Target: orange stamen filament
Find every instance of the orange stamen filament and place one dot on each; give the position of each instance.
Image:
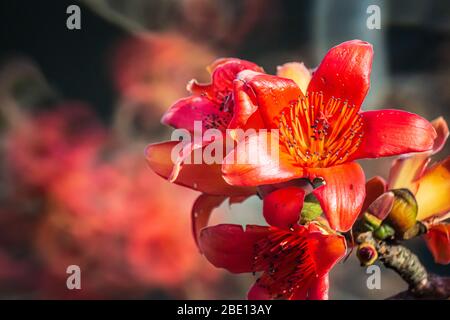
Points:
(318, 133)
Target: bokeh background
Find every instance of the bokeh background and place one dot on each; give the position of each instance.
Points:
(79, 106)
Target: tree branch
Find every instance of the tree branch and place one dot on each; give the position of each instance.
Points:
(400, 259)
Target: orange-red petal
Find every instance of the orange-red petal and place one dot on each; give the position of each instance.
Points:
(271, 94)
(245, 113)
(326, 250)
(344, 72)
(254, 162)
(282, 207)
(441, 127)
(342, 195)
(394, 132)
(231, 247)
(406, 170)
(438, 241)
(319, 288)
(206, 178)
(201, 211)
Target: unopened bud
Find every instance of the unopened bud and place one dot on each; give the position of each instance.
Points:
(367, 254)
(403, 213)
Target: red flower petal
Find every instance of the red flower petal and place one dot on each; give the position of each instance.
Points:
(441, 127)
(245, 110)
(407, 170)
(257, 292)
(309, 254)
(200, 177)
(319, 288)
(342, 196)
(393, 132)
(224, 71)
(221, 62)
(229, 246)
(282, 207)
(375, 187)
(270, 93)
(251, 163)
(326, 250)
(344, 72)
(438, 241)
(186, 111)
(201, 211)
(185, 154)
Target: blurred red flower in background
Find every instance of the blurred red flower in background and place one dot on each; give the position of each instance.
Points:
(45, 146)
(99, 207)
(120, 224)
(153, 69)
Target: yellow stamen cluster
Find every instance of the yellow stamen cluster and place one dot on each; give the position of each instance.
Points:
(319, 133)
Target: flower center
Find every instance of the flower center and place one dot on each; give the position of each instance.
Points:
(286, 262)
(215, 121)
(318, 133)
(225, 104)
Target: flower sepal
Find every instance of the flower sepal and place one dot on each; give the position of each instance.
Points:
(311, 210)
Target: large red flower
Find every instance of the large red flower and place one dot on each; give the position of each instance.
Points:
(322, 132)
(294, 260)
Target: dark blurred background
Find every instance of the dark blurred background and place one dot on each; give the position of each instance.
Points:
(107, 66)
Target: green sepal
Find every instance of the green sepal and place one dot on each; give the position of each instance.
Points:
(385, 231)
(311, 209)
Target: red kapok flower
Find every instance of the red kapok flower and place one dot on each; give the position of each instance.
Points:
(213, 106)
(294, 259)
(213, 103)
(430, 186)
(322, 132)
